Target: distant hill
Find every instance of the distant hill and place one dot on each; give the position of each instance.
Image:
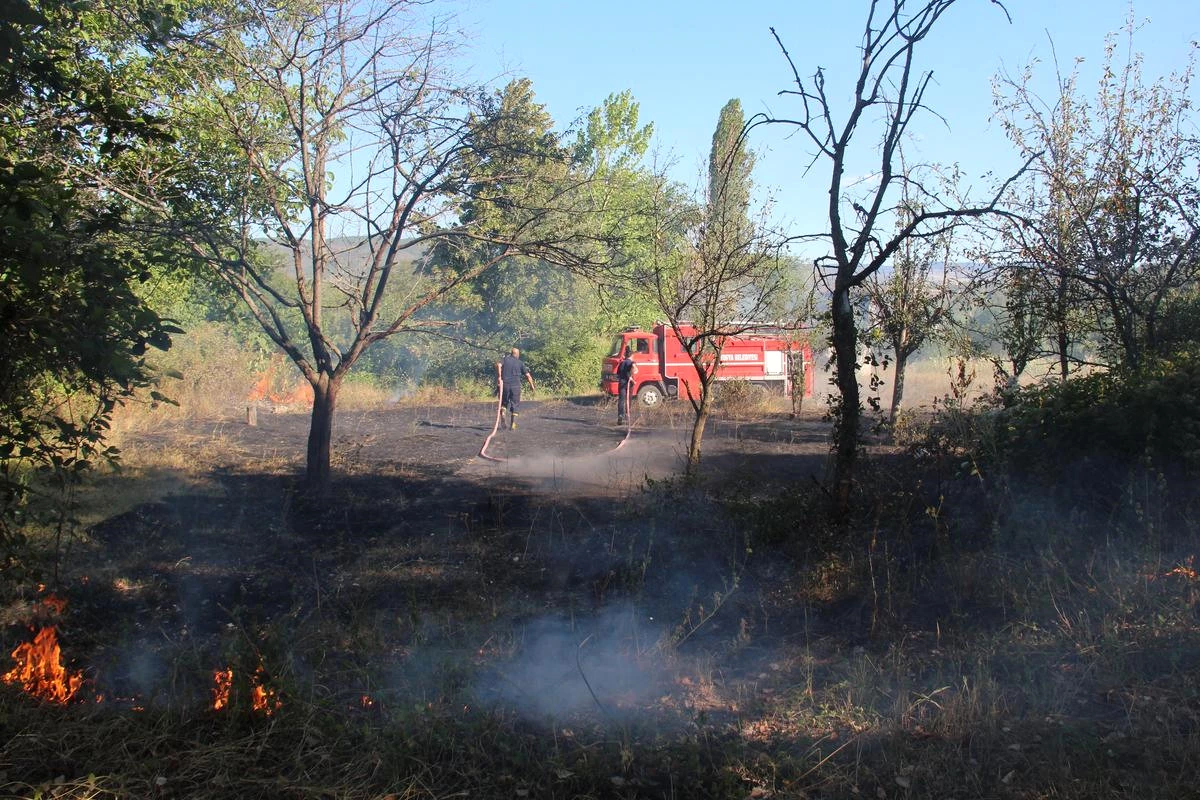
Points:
(352, 254)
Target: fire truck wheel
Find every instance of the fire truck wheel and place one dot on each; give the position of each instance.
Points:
(650, 395)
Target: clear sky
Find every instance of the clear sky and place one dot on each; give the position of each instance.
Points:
(683, 60)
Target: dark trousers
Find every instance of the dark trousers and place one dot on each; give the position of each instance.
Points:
(622, 401)
(510, 397)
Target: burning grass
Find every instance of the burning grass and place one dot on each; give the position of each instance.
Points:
(39, 669)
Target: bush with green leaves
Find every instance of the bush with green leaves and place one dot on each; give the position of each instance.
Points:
(1090, 439)
(1125, 415)
(1179, 325)
(567, 364)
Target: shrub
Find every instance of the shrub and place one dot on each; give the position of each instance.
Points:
(1120, 448)
(739, 399)
(1123, 416)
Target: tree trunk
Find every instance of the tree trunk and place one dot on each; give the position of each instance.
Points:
(845, 350)
(898, 384)
(1018, 369)
(317, 477)
(702, 409)
(799, 381)
(1126, 325)
(1062, 329)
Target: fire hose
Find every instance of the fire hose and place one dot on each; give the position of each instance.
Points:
(483, 453)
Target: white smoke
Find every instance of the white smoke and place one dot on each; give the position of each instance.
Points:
(606, 665)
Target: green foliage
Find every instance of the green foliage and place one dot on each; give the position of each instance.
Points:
(730, 164)
(610, 139)
(1125, 415)
(74, 332)
(560, 317)
(567, 362)
(1120, 446)
(1179, 325)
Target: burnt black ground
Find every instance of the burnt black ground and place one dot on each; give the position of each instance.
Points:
(552, 435)
(421, 542)
(569, 586)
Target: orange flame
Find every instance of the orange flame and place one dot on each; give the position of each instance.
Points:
(222, 683)
(55, 603)
(301, 394)
(265, 389)
(40, 671)
(1185, 570)
(262, 698)
(262, 387)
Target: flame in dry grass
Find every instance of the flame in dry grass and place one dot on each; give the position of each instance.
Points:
(40, 671)
(222, 683)
(56, 604)
(262, 387)
(1185, 570)
(263, 699)
(267, 388)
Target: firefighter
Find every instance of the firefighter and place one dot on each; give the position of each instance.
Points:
(626, 371)
(509, 371)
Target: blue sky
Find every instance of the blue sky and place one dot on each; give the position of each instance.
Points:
(684, 60)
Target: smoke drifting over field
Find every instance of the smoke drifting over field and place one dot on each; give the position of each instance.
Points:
(605, 663)
(616, 471)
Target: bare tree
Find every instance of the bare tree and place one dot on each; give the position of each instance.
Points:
(332, 130)
(888, 82)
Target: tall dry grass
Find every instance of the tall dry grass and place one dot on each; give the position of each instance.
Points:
(208, 374)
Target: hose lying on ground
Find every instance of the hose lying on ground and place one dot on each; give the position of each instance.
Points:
(483, 453)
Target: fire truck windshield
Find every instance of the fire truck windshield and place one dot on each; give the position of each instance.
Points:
(615, 350)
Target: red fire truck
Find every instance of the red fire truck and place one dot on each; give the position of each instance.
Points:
(664, 369)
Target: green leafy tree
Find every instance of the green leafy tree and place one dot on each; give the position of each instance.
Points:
(554, 309)
(1111, 210)
(74, 331)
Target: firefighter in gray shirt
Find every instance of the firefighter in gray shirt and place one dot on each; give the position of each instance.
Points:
(509, 371)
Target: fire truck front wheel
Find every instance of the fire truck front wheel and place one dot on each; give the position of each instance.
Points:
(650, 395)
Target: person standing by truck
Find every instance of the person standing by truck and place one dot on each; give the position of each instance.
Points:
(626, 371)
(509, 371)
